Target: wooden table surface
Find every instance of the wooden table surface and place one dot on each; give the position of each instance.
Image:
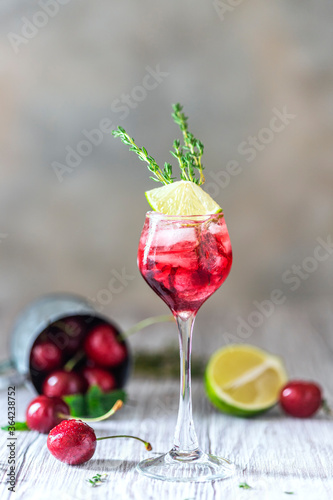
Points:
(273, 453)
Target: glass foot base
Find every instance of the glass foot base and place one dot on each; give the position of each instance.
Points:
(196, 466)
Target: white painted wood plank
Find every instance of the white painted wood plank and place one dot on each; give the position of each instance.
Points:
(273, 453)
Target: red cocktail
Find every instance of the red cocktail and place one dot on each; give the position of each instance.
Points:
(185, 259)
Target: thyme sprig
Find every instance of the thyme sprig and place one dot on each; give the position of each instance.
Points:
(188, 155)
(193, 147)
(164, 175)
(97, 480)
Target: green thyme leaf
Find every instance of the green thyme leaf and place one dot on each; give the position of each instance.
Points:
(97, 480)
(245, 486)
(192, 159)
(143, 155)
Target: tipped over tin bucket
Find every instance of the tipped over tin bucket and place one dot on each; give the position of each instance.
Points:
(34, 320)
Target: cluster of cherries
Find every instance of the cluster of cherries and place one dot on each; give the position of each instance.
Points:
(68, 357)
(71, 355)
(69, 440)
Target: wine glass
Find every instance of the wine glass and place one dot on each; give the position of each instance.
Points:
(185, 259)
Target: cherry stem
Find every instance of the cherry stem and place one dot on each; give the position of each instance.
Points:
(118, 404)
(147, 445)
(74, 361)
(147, 322)
(326, 408)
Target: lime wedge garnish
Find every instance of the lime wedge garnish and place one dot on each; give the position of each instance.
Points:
(244, 380)
(182, 198)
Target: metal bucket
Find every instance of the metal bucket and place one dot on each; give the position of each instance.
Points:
(33, 320)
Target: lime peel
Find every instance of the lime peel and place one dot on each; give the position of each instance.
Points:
(258, 376)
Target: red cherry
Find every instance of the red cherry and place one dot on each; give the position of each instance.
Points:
(60, 383)
(45, 356)
(102, 346)
(72, 442)
(97, 376)
(301, 398)
(43, 413)
(74, 329)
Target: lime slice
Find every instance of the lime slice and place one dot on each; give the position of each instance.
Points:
(243, 380)
(182, 198)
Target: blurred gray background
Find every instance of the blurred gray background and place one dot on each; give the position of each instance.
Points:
(70, 71)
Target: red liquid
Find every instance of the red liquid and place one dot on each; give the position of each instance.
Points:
(184, 260)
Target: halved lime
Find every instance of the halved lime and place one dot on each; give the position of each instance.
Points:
(243, 380)
(182, 198)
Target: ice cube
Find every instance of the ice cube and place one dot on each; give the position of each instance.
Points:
(176, 239)
(187, 260)
(191, 286)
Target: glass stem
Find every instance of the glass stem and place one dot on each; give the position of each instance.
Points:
(185, 440)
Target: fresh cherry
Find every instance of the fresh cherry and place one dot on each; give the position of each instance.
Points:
(61, 382)
(43, 413)
(74, 442)
(74, 329)
(45, 356)
(102, 346)
(97, 376)
(301, 398)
